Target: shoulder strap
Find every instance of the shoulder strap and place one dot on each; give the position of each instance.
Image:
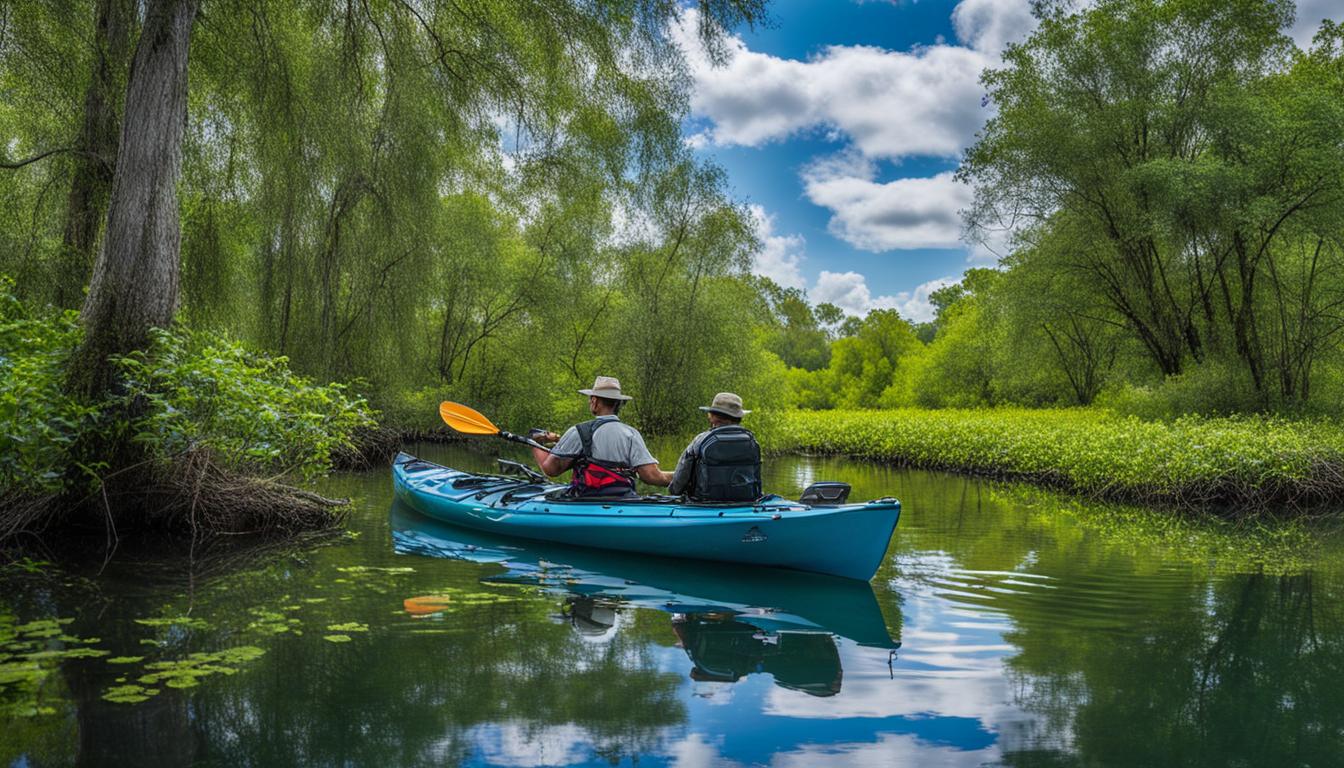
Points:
(586, 430)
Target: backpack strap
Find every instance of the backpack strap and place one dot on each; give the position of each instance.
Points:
(586, 430)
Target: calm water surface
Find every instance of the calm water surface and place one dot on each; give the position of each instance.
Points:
(1004, 629)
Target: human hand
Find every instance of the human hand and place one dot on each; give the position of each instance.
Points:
(543, 436)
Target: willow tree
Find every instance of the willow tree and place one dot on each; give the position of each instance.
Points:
(135, 278)
(380, 84)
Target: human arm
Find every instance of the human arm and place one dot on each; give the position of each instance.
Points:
(550, 464)
(681, 476)
(560, 458)
(651, 474)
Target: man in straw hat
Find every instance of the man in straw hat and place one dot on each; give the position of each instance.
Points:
(722, 463)
(606, 454)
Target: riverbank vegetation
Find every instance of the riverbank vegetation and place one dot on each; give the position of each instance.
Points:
(1231, 462)
(494, 203)
(214, 429)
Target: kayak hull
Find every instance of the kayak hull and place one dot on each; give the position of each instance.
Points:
(849, 540)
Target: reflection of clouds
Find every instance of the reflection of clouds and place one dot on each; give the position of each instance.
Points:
(697, 751)
(519, 743)
(950, 666)
(888, 750)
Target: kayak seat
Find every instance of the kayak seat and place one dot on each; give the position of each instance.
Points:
(825, 494)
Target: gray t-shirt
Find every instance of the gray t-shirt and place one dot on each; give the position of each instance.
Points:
(617, 443)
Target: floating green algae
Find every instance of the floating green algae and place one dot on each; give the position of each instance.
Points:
(129, 694)
(361, 569)
(182, 673)
(29, 655)
(186, 622)
(272, 623)
(336, 638)
(125, 659)
(349, 626)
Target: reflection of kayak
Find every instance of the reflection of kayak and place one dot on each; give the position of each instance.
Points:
(847, 540)
(771, 599)
(727, 651)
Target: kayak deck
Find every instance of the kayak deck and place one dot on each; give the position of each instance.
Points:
(848, 540)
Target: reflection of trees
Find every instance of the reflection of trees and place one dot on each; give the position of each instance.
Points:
(1250, 672)
(1125, 656)
(412, 699)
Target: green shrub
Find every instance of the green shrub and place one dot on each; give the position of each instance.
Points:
(253, 414)
(38, 422)
(189, 390)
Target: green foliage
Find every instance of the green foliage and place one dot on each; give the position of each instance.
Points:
(1192, 460)
(189, 391)
(39, 423)
(201, 391)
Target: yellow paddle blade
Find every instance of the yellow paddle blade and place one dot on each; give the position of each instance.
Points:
(465, 420)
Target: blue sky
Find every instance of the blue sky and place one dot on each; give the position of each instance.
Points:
(840, 123)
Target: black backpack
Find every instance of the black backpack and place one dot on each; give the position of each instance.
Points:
(728, 466)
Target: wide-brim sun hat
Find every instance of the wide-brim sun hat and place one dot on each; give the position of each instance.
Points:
(726, 404)
(606, 387)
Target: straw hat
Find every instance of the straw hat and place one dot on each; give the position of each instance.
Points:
(606, 386)
(728, 404)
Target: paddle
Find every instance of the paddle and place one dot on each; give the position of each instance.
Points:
(471, 422)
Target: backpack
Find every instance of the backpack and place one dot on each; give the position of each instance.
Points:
(591, 477)
(727, 466)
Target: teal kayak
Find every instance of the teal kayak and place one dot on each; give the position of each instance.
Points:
(848, 540)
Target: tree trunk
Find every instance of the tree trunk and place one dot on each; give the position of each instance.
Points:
(97, 142)
(135, 279)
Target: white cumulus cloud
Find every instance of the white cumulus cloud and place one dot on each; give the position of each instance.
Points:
(848, 291)
(905, 213)
(915, 305)
(989, 26)
(888, 103)
(780, 256)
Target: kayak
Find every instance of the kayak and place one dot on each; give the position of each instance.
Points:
(848, 540)
(772, 600)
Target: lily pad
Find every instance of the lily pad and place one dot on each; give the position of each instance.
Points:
(336, 638)
(129, 694)
(349, 626)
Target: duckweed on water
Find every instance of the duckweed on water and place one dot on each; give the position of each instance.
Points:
(336, 638)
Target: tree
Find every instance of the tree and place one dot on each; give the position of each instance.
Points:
(135, 278)
(1178, 138)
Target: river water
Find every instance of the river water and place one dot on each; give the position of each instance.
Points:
(1007, 627)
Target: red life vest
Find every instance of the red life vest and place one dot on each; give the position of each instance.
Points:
(591, 477)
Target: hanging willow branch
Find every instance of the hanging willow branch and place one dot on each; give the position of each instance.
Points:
(57, 151)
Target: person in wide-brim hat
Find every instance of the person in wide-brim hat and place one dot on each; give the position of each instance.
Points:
(726, 404)
(606, 387)
(605, 461)
(706, 473)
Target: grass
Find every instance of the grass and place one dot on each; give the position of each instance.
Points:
(1193, 461)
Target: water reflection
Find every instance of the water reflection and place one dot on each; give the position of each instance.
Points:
(1031, 637)
(731, 621)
